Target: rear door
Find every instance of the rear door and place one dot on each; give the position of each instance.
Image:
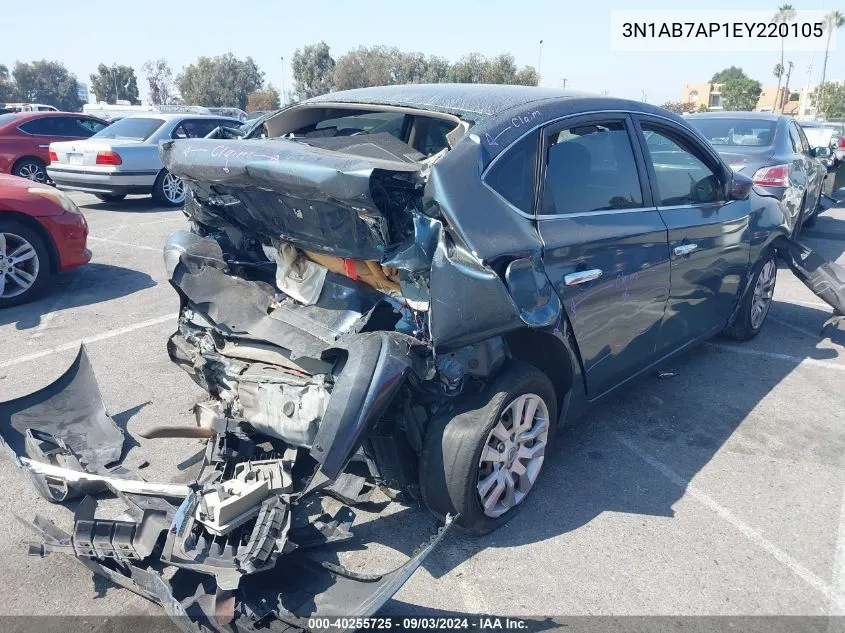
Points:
(708, 234)
(605, 248)
(816, 170)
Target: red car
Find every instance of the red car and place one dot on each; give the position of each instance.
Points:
(42, 232)
(25, 139)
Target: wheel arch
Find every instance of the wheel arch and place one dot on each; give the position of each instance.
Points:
(549, 353)
(37, 227)
(20, 159)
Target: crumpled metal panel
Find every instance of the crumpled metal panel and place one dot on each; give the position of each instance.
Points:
(826, 279)
(474, 104)
(70, 409)
(313, 198)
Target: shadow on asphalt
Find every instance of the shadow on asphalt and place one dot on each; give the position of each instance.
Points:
(677, 422)
(138, 204)
(89, 284)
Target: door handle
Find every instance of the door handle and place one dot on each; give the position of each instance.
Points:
(582, 277)
(685, 249)
(43, 146)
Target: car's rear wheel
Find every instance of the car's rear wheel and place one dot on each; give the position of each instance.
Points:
(169, 190)
(24, 264)
(482, 459)
(30, 168)
(110, 197)
(756, 302)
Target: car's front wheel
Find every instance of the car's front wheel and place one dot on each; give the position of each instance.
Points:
(169, 190)
(756, 302)
(482, 459)
(24, 264)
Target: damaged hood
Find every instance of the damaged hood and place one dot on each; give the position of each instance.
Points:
(321, 199)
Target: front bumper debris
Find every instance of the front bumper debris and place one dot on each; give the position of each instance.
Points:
(239, 547)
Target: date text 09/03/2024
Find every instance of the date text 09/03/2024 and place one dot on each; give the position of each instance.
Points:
(477, 623)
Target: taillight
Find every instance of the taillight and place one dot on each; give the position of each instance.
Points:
(842, 142)
(109, 158)
(53, 157)
(776, 176)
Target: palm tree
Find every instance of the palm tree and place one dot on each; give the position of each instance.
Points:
(786, 13)
(832, 21)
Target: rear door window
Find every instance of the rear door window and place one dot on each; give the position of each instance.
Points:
(591, 167)
(683, 176)
(195, 128)
(46, 126)
(513, 174)
(88, 127)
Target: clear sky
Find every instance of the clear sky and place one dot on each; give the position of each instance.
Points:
(576, 37)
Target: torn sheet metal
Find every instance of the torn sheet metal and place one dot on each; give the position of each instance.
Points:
(826, 279)
(320, 200)
(70, 410)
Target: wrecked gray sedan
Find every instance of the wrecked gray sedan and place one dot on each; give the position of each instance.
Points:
(404, 287)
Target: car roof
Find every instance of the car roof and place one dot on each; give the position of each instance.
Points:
(477, 101)
(758, 116)
(170, 116)
(23, 117)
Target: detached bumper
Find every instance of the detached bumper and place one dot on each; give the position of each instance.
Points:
(114, 181)
(255, 569)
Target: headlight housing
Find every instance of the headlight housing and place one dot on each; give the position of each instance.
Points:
(57, 196)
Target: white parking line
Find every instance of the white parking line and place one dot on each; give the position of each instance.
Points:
(750, 533)
(775, 356)
(129, 244)
(90, 339)
(815, 335)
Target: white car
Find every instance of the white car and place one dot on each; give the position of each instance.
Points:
(123, 158)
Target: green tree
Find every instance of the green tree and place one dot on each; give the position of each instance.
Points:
(527, 76)
(48, 82)
(832, 21)
(679, 107)
(7, 87)
(267, 99)
(160, 81)
(115, 82)
(469, 69)
(437, 70)
(740, 94)
(374, 66)
(786, 14)
(313, 70)
(734, 72)
(829, 100)
(221, 81)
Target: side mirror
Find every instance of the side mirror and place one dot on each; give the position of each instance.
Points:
(822, 152)
(739, 187)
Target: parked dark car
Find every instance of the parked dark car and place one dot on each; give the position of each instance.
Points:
(25, 139)
(409, 287)
(774, 152)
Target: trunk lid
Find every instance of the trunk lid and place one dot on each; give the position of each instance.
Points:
(350, 202)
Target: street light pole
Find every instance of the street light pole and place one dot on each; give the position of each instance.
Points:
(539, 63)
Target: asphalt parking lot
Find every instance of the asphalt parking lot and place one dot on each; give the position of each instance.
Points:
(717, 491)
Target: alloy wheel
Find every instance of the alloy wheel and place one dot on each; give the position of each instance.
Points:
(763, 291)
(513, 455)
(33, 171)
(19, 265)
(173, 188)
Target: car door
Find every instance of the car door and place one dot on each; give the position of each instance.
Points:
(709, 242)
(816, 170)
(605, 248)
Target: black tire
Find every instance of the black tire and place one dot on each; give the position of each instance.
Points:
(159, 193)
(743, 328)
(43, 276)
(32, 169)
(449, 465)
(110, 197)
